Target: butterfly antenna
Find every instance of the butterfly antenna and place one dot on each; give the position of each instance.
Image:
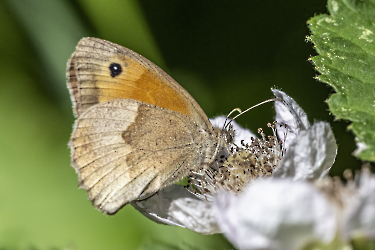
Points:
(226, 123)
(243, 112)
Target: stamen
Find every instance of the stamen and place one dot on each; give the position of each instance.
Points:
(246, 163)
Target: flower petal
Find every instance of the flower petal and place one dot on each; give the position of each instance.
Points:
(359, 219)
(176, 206)
(310, 155)
(288, 113)
(156, 207)
(196, 215)
(275, 214)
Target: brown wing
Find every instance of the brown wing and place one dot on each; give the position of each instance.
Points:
(99, 71)
(124, 148)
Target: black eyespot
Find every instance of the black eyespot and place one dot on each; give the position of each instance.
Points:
(115, 69)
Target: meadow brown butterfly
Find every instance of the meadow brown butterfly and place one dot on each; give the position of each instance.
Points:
(137, 130)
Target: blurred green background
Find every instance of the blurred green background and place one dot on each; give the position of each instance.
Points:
(227, 54)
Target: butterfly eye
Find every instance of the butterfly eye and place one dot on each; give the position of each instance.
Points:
(115, 69)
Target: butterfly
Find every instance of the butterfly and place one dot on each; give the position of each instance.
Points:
(136, 130)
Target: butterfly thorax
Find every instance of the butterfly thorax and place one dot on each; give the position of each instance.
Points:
(217, 146)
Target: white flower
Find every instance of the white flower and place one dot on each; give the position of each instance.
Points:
(286, 214)
(359, 210)
(275, 214)
(310, 150)
(261, 212)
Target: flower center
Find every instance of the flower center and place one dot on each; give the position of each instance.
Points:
(244, 163)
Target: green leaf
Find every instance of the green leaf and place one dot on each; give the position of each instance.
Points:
(345, 42)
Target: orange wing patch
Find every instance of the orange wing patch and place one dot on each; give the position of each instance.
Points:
(92, 80)
(139, 83)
